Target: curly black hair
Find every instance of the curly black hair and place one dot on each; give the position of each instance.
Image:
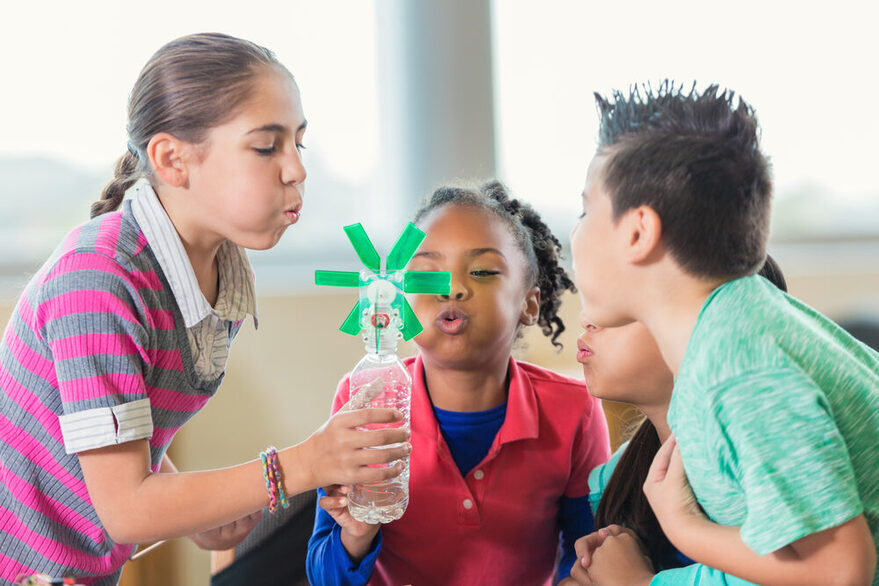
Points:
(541, 248)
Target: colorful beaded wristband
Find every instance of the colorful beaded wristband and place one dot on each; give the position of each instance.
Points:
(272, 474)
(267, 475)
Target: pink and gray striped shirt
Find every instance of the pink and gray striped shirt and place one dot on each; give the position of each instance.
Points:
(96, 353)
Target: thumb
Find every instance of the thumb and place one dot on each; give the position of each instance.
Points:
(661, 462)
(676, 465)
(587, 544)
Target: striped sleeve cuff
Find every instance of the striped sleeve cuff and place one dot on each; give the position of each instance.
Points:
(106, 426)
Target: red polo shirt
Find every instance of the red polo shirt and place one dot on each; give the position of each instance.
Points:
(499, 524)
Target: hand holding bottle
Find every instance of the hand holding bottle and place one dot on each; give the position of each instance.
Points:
(356, 536)
(335, 454)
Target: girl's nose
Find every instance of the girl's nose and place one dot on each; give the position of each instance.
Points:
(589, 327)
(293, 170)
(457, 291)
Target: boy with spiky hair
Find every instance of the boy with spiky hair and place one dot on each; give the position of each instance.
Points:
(775, 408)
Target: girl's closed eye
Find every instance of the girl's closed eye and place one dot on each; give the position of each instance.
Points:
(268, 151)
(484, 273)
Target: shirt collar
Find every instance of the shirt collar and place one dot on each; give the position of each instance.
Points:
(521, 422)
(236, 297)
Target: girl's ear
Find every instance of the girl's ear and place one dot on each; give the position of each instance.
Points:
(168, 156)
(531, 307)
(643, 232)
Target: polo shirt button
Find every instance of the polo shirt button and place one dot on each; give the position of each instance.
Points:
(478, 474)
(468, 504)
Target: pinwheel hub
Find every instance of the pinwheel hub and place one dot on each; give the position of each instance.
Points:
(382, 307)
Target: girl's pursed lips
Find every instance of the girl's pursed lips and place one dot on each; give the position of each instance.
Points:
(451, 313)
(293, 213)
(451, 320)
(584, 352)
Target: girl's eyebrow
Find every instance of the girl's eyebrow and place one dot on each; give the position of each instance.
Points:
(474, 252)
(279, 128)
(480, 251)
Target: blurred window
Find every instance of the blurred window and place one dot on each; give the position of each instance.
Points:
(63, 116)
(807, 72)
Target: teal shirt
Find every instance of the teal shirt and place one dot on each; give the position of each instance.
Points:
(692, 575)
(776, 410)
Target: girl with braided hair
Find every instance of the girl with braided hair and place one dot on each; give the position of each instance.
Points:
(123, 334)
(501, 449)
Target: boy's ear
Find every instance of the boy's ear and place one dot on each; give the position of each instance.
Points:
(531, 307)
(643, 233)
(168, 156)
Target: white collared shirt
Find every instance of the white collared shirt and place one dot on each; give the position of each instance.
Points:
(206, 326)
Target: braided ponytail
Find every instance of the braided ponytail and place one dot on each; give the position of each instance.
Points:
(541, 248)
(543, 251)
(552, 278)
(124, 176)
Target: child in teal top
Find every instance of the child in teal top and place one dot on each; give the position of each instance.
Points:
(624, 364)
(776, 408)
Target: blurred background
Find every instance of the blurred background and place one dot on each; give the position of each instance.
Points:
(404, 95)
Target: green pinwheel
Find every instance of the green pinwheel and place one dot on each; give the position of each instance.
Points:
(382, 305)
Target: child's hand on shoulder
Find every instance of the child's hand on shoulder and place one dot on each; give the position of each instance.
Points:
(357, 536)
(669, 492)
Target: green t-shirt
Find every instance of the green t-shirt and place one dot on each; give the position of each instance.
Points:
(776, 410)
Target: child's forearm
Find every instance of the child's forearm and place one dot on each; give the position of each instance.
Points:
(841, 555)
(136, 506)
(358, 546)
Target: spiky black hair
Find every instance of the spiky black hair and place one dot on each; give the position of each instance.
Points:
(695, 159)
(671, 107)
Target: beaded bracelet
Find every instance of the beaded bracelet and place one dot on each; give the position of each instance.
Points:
(272, 474)
(276, 473)
(266, 472)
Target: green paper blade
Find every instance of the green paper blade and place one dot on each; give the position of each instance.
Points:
(411, 326)
(404, 248)
(427, 282)
(352, 322)
(337, 278)
(363, 247)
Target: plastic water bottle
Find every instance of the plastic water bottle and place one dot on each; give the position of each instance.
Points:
(381, 380)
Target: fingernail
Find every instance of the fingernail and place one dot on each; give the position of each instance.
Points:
(343, 502)
(408, 448)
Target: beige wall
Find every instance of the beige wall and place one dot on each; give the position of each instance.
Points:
(281, 378)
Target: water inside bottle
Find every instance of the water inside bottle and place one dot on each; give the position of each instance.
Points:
(385, 500)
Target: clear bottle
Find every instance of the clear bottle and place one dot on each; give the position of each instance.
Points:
(381, 380)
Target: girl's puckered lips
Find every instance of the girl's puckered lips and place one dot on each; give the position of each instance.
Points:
(293, 213)
(583, 351)
(451, 321)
